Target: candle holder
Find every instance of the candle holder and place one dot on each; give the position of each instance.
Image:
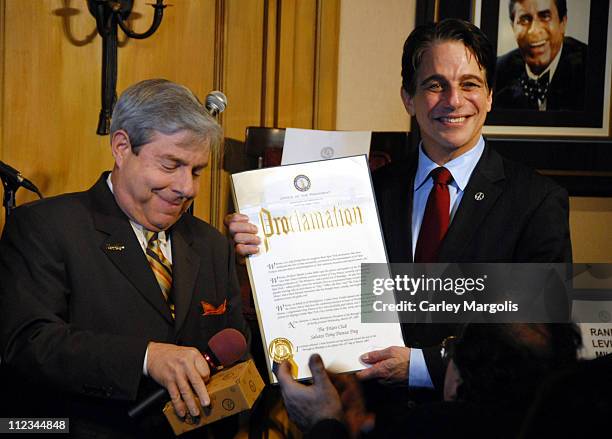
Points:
(109, 15)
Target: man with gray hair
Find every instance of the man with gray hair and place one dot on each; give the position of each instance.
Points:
(109, 293)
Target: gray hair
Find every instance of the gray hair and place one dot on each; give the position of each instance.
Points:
(159, 105)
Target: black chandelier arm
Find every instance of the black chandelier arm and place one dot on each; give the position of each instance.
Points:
(157, 19)
(109, 80)
(101, 26)
(111, 15)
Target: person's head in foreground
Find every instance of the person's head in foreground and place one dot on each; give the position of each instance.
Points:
(504, 363)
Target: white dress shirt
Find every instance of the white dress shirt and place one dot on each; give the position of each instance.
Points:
(461, 169)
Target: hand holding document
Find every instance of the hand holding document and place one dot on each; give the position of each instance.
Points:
(318, 223)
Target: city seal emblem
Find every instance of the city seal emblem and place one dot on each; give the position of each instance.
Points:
(301, 183)
(327, 152)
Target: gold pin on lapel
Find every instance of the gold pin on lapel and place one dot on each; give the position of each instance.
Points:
(115, 247)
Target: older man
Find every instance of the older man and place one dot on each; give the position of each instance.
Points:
(548, 70)
(109, 293)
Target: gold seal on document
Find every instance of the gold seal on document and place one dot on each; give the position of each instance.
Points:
(280, 350)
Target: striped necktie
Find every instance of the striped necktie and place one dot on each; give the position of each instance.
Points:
(162, 268)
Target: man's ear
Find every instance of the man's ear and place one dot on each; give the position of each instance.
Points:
(120, 146)
(563, 25)
(408, 101)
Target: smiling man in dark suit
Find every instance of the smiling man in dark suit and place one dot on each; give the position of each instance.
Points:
(455, 200)
(106, 294)
(480, 208)
(495, 210)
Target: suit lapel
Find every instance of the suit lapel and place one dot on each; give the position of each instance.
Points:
(185, 268)
(479, 197)
(122, 247)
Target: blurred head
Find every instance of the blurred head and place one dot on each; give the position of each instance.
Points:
(504, 363)
(447, 78)
(539, 29)
(161, 137)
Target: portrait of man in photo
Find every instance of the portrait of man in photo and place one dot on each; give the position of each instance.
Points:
(547, 71)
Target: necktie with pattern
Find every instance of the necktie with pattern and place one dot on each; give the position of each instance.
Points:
(436, 217)
(535, 89)
(162, 268)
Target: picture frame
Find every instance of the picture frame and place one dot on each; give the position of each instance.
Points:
(593, 18)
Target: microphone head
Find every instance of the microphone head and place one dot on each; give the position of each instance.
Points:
(216, 102)
(228, 345)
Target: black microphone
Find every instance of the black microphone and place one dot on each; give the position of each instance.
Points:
(12, 177)
(224, 349)
(215, 102)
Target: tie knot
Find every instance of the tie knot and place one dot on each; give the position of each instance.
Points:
(441, 175)
(152, 237)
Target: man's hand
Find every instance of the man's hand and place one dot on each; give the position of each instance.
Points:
(181, 371)
(390, 366)
(243, 233)
(307, 405)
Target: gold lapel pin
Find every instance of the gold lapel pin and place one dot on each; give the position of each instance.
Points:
(115, 247)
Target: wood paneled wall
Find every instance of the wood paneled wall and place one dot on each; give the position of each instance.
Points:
(275, 60)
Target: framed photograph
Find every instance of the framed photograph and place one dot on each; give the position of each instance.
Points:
(553, 66)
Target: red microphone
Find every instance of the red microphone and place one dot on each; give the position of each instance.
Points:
(224, 349)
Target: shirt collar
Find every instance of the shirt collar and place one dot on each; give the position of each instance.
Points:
(161, 235)
(552, 67)
(461, 168)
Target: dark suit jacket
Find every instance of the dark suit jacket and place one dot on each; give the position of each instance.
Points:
(566, 88)
(523, 217)
(79, 304)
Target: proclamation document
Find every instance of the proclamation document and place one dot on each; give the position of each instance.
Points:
(318, 223)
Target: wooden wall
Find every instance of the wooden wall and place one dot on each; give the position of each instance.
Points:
(278, 61)
(275, 60)
(369, 84)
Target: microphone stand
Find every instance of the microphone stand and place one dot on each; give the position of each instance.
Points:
(8, 201)
(215, 104)
(10, 189)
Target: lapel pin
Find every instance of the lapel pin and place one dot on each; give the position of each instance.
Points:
(479, 196)
(115, 247)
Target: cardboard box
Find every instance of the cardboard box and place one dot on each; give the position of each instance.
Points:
(231, 391)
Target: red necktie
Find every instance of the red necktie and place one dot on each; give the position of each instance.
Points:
(436, 217)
